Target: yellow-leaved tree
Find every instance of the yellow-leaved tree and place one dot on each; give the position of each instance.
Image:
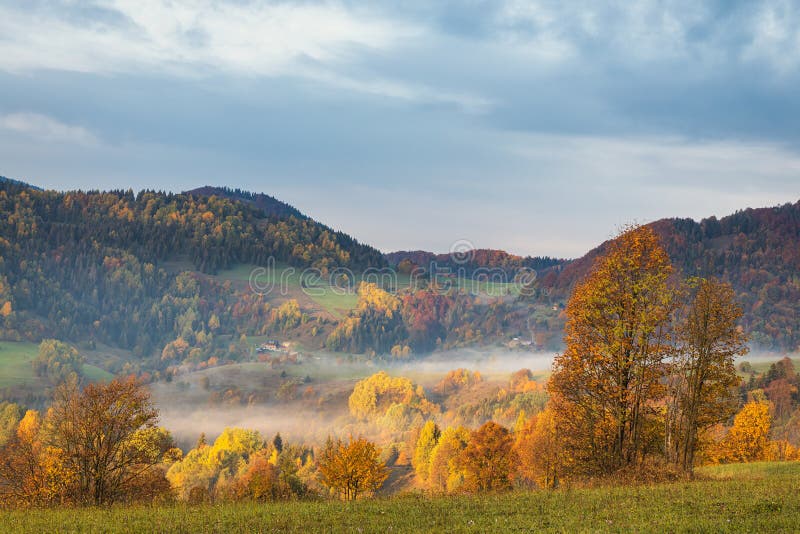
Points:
(446, 473)
(352, 469)
(428, 438)
(748, 438)
(537, 446)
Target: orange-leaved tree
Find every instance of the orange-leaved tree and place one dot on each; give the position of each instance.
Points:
(32, 473)
(537, 446)
(703, 379)
(607, 382)
(108, 439)
(489, 459)
(352, 469)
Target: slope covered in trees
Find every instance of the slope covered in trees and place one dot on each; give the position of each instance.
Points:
(93, 265)
(271, 206)
(101, 266)
(757, 251)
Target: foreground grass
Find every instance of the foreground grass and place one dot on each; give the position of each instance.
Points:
(757, 497)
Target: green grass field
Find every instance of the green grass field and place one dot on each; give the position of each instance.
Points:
(16, 368)
(15, 363)
(95, 374)
(752, 498)
(287, 279)
(338, 302)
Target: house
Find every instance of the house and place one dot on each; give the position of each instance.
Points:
(270, 345)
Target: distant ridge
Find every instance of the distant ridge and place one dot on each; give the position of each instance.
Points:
(756, 250)
(19, 182)
(475, 259)
(271, 206)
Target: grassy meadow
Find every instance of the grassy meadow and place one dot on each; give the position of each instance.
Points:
(759, 497)
(16, 368)
(15, 363)
(338, 302)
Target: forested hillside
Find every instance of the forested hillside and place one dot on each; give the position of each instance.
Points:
(269, 205)
(93, 265)
(756, 250)
(129, 270)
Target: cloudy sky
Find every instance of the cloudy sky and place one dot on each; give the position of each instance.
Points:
(537, 127)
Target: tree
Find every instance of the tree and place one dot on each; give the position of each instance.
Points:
(57, 361)
(32, 473)
(10, 415)
(446, 475)
(606, 384)
(352, 469)
(376, 324)
(489, 458)
(374, 395)
(537, 447)
(704, 376)
(748, 438)
(428, 437)
(261, 481)
(106, 433)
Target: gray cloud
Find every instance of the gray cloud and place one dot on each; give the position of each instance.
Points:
(532, 126)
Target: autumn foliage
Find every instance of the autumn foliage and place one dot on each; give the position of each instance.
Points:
(606, 384)
(648, 367)
(96, 446)
(489, 459)
(353, 468)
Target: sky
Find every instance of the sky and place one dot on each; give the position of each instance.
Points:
(536, 127)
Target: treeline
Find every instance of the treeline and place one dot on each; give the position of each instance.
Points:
(101, 445)
(271, 206)
(213, 231)
(469, 262)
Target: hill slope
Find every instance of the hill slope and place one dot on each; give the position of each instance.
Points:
(470, 260)
(756, 250)
(271, 206)
(95, 266)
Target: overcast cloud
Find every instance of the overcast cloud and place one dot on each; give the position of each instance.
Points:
(537, 127)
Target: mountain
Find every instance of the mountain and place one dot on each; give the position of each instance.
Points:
(124, 269)
(139, 272)
(756, 250)
(18, 182)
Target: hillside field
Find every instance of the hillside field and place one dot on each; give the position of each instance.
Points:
(16, 368)
(336, 301)
(760, 497)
